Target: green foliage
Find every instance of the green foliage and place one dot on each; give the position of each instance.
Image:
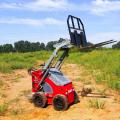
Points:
(6, 48)
(4, 67)
(25, 46)
(96, 103)
(3, 108)
(116, 46)
(12, 61)
(103, 64)
(50, 44)
(17, 111)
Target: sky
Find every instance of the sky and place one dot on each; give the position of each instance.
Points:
(45, 20)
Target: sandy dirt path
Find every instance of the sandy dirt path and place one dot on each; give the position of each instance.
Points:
(17, 91)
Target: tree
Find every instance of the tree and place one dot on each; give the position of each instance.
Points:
(25, 46)
(42, 46)
(22, 46)
(116, 46)
(19, 46)
(50, 44)
(1, 48)
(7, 48)
(61, 40)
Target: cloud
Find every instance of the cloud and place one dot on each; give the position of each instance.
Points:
(97, 7)
(34, 22)
(104, 36)
(100, 7)
(39, 5)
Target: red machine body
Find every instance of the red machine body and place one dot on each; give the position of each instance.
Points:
(65, 90)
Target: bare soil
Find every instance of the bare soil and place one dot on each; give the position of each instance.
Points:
(17, 91)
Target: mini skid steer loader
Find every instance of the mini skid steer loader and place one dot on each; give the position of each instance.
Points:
(49, 84)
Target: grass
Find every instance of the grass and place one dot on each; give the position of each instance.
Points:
(17, 79)
(104, 65)
(26, 92)
(102, 92)
(12, 61)
(96, 103)
(15, 100)
(3, 108)
(16, 111)
(1, 84)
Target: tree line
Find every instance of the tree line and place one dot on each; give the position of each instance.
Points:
(26, 46)
(116, 46)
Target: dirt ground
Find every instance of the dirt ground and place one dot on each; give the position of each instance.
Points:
(17, 92)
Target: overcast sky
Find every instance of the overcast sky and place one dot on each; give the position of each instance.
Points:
(45, 20)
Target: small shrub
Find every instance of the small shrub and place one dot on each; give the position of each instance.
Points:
(95, 103)
(3, 108)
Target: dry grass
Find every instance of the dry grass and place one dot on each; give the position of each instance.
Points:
(96, 103)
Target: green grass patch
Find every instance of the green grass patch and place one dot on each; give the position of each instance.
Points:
(3, 108)
(17, 111)
(12, 61)
(103, 64)
(96, 103)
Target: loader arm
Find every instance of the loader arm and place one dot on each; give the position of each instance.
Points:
(77, 39)
(66, 45)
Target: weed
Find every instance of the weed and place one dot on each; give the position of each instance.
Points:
(17, 111)
(106, 61)
(96, 103)
(3, 108)
(9, 62)
(114, 84)
(102, 92)
(17, 79)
